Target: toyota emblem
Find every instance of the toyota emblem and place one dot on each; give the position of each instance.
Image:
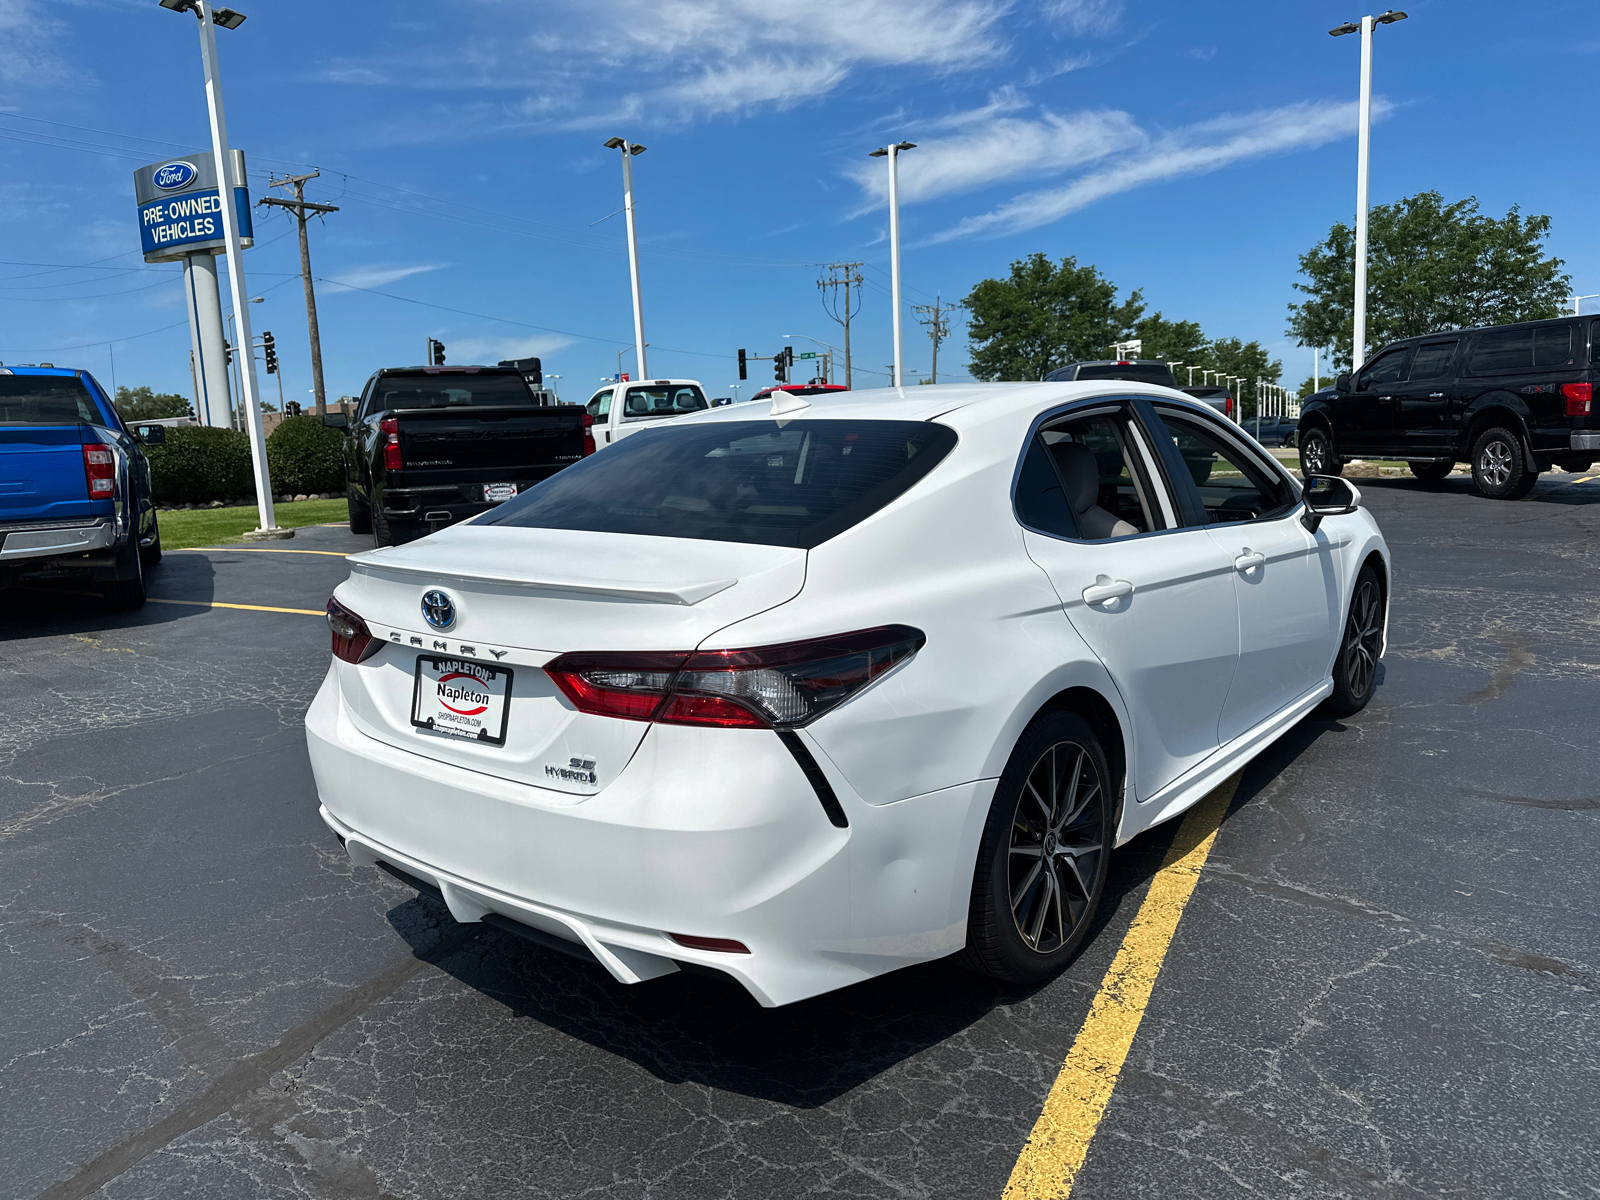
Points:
(438, 609)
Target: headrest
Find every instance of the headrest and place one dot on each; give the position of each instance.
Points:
(1081, 473)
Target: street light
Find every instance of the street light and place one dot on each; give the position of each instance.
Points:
(892, 152)
(1363, 149)
(556, 390)
(629, 149)
(209, 19)
(1577, 301)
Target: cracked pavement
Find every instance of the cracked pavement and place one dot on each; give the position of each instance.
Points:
(1387, 982)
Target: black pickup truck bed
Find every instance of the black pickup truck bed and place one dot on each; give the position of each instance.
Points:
(433, 446)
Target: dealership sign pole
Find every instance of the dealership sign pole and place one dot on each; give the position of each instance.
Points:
(235, 252)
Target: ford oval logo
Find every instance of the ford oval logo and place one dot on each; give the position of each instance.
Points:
(174, 175)
(438, 609)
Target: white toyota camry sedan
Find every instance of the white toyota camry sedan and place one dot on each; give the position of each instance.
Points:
(809, 693)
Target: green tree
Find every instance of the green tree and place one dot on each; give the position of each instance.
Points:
(1249, 361)
(141, 404)
(1044, 317)
(1430, 266)
(1171, 341)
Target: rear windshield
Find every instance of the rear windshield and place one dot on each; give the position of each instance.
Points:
(447, 391)
(1139, 372)
(797, 484)
(46, 400)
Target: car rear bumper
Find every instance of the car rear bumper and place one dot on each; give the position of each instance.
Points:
(52, 540)
(1585, 440)
(707, 832)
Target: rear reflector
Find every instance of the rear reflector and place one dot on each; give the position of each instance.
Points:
(352, 640)
(769, 687)
(100, 471)
(1578, 397)
(725, 945)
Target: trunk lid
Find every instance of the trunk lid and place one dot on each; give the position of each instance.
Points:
(486, 444)
(522, 596)
(41, 474)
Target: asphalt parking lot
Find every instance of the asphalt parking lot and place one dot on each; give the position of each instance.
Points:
(1386, 983)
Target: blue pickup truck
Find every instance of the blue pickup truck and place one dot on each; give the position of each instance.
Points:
(74, 487)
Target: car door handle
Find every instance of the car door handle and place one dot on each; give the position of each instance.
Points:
(1249, 561)
(1100, 593)
(1435, 395)
(1385, 397)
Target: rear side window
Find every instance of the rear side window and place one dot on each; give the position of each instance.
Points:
(1552, 346)
(797, 484)
(1502, 351)
(1041, 502)
(46, 400)
(1433, 360)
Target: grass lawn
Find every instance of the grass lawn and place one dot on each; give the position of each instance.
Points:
(186, 527)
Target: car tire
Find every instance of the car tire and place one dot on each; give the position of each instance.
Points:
(1051, 858)
(382, 532)
(1316, 454)
(1355, 670)
(360, 515)
(1431, 472)
(1500, 469)
(151, 554)
(127, 594)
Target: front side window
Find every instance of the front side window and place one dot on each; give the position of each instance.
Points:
(1231, 484)
(1552, 346)
(663, 400)
(1433, 360)
(600, 407)
(46, 400)
(1389, 368)
(1501, 351)
(796, 484)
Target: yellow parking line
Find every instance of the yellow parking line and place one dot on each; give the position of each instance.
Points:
(252, 550)
(1055, 1150)
(309, 612)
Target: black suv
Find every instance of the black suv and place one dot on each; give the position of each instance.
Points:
(1511, 400)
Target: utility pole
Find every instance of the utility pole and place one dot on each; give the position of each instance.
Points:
(842, 275)
(300, 206)
(936, 317)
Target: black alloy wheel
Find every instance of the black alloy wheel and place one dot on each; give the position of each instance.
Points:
(1431, 472)
(1316, 454)
(1355, 671)
(1045, 851)
(1499, 466)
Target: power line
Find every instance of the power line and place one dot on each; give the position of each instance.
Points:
(842, 277)
(937, 318)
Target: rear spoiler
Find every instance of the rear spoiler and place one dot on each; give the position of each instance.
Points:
(689, 593)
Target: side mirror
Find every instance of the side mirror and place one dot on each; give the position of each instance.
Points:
(1327, 496)
(1342, 383)
(150, 435)
(335, 420)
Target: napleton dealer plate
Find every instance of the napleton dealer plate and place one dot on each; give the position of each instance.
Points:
(461, 698)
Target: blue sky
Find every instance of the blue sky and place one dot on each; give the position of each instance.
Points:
(1189, 150)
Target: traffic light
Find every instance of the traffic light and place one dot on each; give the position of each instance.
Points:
(435, 352)
(227, 354)
(777, 367)
(742, 374)
(788, 361)
(292, 408)
(270, 349)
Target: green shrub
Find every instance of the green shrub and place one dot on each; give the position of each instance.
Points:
(303, 455)
(196, 465)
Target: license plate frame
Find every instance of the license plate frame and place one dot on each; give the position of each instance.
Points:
(499, 493)
(485, 723)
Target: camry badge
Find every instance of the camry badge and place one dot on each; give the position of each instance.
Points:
(438, 609)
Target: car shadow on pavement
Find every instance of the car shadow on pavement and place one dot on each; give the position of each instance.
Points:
(705, 1029)
(1559, 489)
(69, 607)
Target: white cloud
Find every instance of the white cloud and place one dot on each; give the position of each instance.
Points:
(27, 57)
(493, 350)
(1194, 150)
(1098, 17)
(375, 276)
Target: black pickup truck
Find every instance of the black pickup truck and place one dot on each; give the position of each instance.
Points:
(1511, 400)
(430, 446)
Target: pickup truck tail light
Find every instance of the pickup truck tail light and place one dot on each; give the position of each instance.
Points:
(1578, 396)
(352, 640)
(1227, 407)
(100, 471)
(769, 687)
(392, 460)
(588, 434)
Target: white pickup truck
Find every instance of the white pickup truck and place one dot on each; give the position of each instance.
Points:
(619, 409)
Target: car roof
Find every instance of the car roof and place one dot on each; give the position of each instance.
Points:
(1448, 333)
(30, 369)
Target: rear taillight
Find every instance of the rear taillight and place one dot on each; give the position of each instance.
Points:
(588, 434)
(1227, 406)
(392, 461)
(352, 640)
(770, 687)
(100, 470)
(1578, 397)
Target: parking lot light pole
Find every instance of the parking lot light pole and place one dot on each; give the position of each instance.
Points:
(1363, 153)
(1577, 302)
(210, 18)
(629, 149)
(892, 152)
